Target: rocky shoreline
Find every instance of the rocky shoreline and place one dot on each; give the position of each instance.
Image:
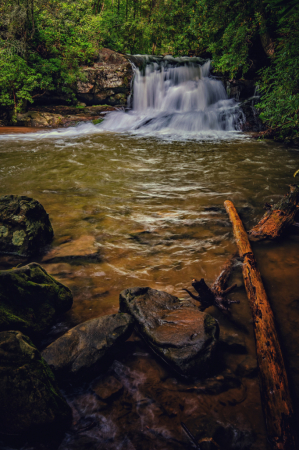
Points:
(88, 358)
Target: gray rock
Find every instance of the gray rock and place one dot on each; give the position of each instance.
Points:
(184, 337)
(30, 300)
(85, 349)
(31, 404)
(24, 225)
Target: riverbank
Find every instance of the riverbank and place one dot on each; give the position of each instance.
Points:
(57, 116)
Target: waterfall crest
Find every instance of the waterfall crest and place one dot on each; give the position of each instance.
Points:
(177, 101)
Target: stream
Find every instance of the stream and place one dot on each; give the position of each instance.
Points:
(138, 201)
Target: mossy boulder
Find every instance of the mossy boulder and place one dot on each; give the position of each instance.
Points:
(30, 300)
(31, 404)
(181, 335)
(25, 227)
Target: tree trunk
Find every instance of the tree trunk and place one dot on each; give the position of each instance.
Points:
(278, 217)
(274, 387)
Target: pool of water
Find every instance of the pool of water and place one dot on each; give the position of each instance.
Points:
(138, 211)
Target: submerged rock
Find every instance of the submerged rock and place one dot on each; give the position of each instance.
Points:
(24, 225)
(180, 334)
(82, 248)
(107, 387)
(86, 348)
(30, 299)
(31, 405)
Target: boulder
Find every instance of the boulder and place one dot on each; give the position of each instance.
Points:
(24, 225)
(30, 300)
(31, 405)
(85, 349)
(184, 337)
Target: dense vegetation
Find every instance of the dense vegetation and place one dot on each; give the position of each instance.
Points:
(43, 43)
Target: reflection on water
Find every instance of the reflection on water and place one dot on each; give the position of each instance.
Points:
(141, 212)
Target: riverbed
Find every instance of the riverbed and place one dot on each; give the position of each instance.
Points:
(140, 211)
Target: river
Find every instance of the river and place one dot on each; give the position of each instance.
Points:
(133, 209)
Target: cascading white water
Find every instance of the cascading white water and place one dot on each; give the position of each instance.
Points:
(177, 102)
(175, 98)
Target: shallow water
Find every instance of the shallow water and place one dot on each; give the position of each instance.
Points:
(134, 211)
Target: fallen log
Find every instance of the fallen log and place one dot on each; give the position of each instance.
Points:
(274, 387)
(277, 217)
(216, 294)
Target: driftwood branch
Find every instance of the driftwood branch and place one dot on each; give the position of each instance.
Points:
(278, 217)
(216, 294)
(274, 387)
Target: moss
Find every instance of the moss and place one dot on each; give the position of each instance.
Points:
(25, 225)
(3, 231)
(30, 399)
(30, 299)
(96, 121)
(18, 237)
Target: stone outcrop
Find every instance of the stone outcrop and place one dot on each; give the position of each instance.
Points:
(25, 227)
(85, 349)
(30, 300)
(184, 337)
(31, 405)
(61, 116)
(107, 81)
(246, 92)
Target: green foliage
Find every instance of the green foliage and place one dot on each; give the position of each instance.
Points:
(280, 84)
(96, 121)
(42, 45)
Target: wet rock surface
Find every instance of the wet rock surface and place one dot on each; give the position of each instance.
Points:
(31, 300)
(25, 227)
(148, 411)
(85, 349)
(31, 405)
(175, 329)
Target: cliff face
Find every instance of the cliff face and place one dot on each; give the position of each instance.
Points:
(107, 81)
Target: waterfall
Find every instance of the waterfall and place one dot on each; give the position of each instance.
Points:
(177, 99)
